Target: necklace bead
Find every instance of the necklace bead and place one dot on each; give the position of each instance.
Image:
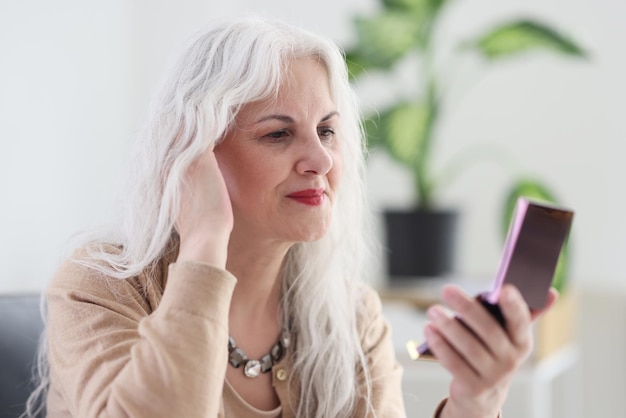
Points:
(253, 368)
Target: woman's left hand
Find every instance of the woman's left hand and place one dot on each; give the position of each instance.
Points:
(482, 361)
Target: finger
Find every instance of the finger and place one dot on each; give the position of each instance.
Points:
(553, 297)
(477, 318)
(448, 357)
(517, 315)
(206, 159)
(462, 340)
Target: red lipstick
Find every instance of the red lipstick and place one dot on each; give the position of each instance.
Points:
(311, 197)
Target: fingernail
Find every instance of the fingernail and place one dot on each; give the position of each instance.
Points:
(451, 294)
(435, 313)
(506, 295)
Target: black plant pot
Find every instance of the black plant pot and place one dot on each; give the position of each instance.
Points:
(420, 243)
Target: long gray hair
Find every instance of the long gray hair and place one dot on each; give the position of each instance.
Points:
(230, 64)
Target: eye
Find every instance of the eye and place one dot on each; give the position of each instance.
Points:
(326, 132)
(276, 136)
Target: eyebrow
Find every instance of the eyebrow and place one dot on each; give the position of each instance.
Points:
(289, 119)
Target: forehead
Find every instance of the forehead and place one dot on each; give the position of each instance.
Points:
(304, 90)
(305, 75)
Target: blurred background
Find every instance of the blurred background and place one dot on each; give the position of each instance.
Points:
(75, 84)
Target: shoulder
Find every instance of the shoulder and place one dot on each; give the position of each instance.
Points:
(79, 270)
(371, 324)
(81, 279)
(369, 303)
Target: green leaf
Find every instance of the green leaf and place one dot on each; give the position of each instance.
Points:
(419, 7)
(532, 189)
(436, 5)
(373, 132)
(385, 38)
(406, 5)
(355, 64)
(536, 191)
(403, 130)
(522, 36)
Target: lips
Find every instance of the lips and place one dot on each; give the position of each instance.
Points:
(310, 197)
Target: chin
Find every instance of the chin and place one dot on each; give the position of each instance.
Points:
(308, 230)
(311, 235)
(314, 238)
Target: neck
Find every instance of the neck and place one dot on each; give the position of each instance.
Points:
(254, 310)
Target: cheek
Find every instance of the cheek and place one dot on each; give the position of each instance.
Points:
(225, 166)
(235, 179)
(233, 172)
(248, 178)
(335, 174)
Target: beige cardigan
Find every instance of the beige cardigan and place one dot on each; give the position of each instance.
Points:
(119, 348)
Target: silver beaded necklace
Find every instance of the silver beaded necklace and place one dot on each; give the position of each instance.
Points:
(252, 368)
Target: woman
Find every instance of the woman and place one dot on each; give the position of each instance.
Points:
(229, 287)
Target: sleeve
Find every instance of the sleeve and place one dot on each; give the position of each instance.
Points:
(111, 357)
(439, 409)
(385, 371)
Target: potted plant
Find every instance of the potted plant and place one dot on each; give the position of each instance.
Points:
(407, 128)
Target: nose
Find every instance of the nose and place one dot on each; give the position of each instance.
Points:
(314, 157)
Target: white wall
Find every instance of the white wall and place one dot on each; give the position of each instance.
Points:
(64, 113)
(75, 82)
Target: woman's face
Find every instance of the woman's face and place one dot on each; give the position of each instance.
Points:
(282, 161)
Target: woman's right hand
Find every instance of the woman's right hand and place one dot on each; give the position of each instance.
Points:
(205, 218)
